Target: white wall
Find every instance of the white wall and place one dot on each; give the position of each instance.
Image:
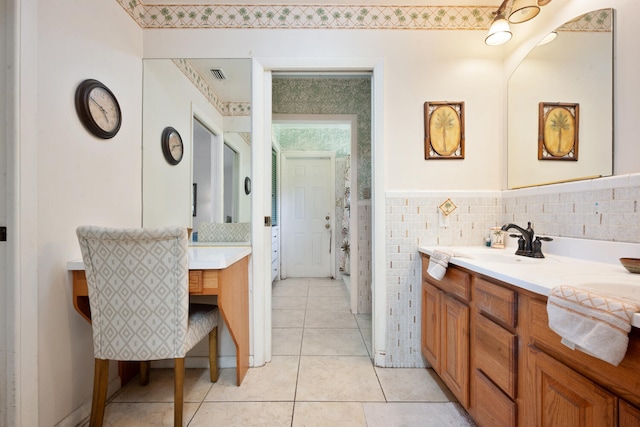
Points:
(80, 179)
(420, 66)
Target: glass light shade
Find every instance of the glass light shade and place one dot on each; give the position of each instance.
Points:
(548, 38)
(523, 10)
(499, 32)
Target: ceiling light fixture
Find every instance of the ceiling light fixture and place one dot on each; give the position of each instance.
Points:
(520, 11)
(499, 33)
(523, 10)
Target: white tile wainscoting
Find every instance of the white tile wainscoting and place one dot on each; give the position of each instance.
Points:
(591, 211)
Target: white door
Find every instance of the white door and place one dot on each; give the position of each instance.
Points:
(307, 215)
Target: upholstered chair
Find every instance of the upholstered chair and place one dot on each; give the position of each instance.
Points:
(138, 282)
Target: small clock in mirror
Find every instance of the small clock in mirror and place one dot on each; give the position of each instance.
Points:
(172, 146)
(98, 109)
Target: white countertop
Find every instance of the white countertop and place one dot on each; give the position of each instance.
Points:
(541, 275)
(200, 257)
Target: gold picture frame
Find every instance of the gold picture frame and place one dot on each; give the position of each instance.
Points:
(443, 130)
(558, 131)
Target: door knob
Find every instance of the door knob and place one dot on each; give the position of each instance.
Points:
(327, 217)
(327, 226)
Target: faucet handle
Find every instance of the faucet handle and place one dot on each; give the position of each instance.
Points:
(537, 246)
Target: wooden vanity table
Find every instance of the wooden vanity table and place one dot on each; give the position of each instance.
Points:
(213, 270)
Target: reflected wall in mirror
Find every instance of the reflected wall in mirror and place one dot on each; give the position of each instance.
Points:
(576, 67)
(209, 102)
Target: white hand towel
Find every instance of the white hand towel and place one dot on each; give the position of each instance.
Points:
(438, 263)
(592, 322)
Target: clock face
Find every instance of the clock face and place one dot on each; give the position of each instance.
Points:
(104, 109)
(175, 145)
(172, 146)
(98, 109)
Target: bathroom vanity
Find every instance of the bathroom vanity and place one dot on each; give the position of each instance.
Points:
(485, 332)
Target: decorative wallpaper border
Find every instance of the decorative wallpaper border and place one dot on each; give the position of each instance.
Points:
(328, 16)
(224, 108)
(309, 16)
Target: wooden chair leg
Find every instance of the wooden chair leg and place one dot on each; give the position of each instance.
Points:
(145, 367)
(213, 354)
(100, 383)
(178, 392)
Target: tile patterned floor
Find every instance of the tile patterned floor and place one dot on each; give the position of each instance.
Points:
(321, 374)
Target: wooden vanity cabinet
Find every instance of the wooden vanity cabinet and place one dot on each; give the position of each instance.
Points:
(445, 329)
(491, 344)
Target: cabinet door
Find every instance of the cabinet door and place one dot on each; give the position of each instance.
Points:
(431, 325)
(629, 415)
(454, 354)
(566, 398)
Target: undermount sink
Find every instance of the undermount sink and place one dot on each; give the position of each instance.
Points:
(619, 289)
(629, 288)
(503, 258)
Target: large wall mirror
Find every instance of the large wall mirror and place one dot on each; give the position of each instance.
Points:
(208, 102)
(575, 68)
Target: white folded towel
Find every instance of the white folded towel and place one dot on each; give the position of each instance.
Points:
(595, 323)
(438, 263)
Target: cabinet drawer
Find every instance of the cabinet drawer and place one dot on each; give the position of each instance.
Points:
(496, 354)
(491, 407)
(195, 282)
(495, 301)
(456, 282)
(203, 282)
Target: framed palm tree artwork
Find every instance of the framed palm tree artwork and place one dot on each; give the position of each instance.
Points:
(443, 130)
(558, 131)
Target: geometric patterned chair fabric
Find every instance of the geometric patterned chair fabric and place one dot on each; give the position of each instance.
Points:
(224, 232)
(138, 283)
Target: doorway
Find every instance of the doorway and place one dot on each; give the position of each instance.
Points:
(265, 72)
(333, 111)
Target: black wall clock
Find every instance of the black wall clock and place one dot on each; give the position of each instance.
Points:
(172, 146)
(98, 109)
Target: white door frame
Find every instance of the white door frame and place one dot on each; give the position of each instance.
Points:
(261, 167)
(285, 157)
(21, 304)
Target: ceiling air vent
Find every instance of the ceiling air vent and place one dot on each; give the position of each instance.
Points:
(218, 74)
